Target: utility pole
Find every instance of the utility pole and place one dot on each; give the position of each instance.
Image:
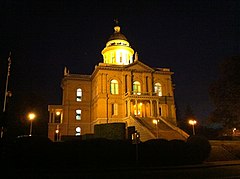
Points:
(7, 93)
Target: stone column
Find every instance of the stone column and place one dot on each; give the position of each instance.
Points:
(128, 107)
(157, 108)
(136, 104)
(151, 108)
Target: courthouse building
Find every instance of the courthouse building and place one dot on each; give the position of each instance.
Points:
(120, 89)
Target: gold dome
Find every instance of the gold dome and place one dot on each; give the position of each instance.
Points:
(117, 35)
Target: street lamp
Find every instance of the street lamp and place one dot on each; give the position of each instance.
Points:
(193, 123)
(136, 140)
(57, 133)
(31, 117)
(155, 121)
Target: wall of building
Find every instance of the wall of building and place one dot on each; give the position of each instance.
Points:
(97, 103)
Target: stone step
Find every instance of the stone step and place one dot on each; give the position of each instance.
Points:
(148, 130)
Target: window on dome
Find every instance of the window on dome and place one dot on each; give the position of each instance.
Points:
(158, 89)
(114, 87)
(120, 58)
(78, 131)
(78, 114)
(79, 94)
(136, 87)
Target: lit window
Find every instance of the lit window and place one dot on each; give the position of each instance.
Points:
(78, 114)
(115, 109)
(120, 60)
(136, 87)
(79, 94)
(114, 87)
(158, 89)
(78, 131)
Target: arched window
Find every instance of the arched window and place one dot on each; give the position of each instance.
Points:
(136, 87)
(158, 89)
(78, 114)
(114, 87)
(78, 131)
(79, 94)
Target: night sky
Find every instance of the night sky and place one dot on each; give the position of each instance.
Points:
(189, 37)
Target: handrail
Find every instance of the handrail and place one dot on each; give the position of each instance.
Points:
(144, 124)
(151, 128)
(183, 133)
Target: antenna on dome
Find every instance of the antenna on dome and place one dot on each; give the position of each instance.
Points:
(116, 21)
(116, 28)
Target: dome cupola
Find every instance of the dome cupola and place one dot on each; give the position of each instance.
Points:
(118, 50)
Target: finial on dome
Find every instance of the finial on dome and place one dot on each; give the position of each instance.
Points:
(116, 28)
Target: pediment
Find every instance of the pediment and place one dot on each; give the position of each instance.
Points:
(139, 66)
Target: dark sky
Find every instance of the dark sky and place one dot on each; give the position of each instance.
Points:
(189, 37)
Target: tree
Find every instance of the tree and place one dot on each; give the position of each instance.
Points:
(225, 94)
(187, 115)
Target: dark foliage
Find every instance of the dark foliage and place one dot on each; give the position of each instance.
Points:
(187, 115)
(198, 149)
(112, 131)
(153, 152)
(225, 94)
(99, 153)
(174, 152)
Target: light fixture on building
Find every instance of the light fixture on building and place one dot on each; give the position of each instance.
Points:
(58, 113)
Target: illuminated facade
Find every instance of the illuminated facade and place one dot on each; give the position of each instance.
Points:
(121, 89)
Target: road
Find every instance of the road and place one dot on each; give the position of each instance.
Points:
(215, 170)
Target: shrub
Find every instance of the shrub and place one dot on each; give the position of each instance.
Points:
(177, 150)
(154, 152)
(198, 149)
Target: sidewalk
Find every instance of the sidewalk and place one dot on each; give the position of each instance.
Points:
(222, 163)
(206, 165)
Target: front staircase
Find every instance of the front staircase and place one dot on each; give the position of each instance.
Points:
(148, 130)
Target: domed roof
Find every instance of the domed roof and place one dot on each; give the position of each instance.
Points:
(117, 35)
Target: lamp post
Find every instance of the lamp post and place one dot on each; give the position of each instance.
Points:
(193, 123)
(31, 117)
(155, 121)
(57, 134)
(136, 141)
